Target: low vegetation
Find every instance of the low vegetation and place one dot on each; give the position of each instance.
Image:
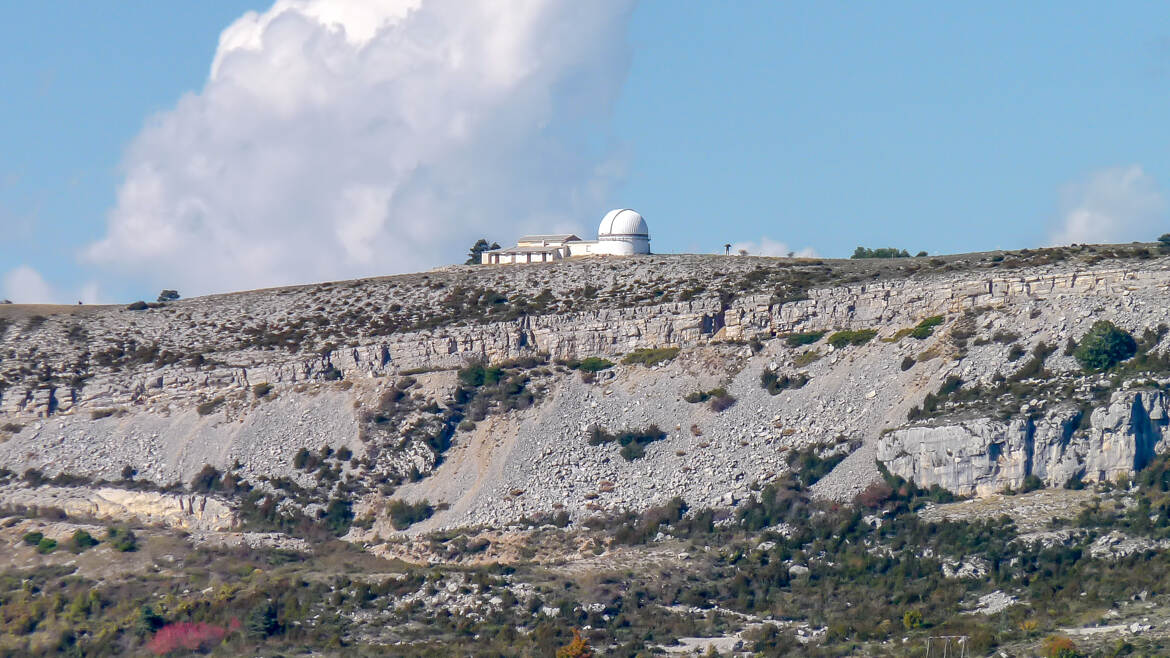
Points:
(650, 356)
(806, 338)
(852, 337)
(775, 383)
(882, 252)
(1104, 346)
(633, 442)
(404, 514)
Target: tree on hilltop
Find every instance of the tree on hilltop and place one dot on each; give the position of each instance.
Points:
(474, 254)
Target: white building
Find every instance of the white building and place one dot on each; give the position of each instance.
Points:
(622, 232)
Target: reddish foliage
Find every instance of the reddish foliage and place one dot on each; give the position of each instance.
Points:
(874, 495)
(186, 636)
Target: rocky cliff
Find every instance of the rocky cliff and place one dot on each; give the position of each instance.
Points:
(1066, 444)
(362, 375)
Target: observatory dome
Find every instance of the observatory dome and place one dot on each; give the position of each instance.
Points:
(623, 232)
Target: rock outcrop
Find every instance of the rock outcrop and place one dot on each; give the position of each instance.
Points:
(982, 456)
(181, 511)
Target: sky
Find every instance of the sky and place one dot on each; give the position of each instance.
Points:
(212, 147)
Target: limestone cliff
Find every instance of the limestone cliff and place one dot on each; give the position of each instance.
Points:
(362, 375)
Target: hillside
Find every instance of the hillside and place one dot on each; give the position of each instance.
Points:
(528, 408)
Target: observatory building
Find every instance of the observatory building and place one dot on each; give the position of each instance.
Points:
(622, 232)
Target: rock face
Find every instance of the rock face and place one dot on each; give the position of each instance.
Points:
(186, 512)
(245, 382)
(982, 456)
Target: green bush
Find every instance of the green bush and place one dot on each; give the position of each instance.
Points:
(46, 545)
(122, 539)
(1104, 346)
(926, 327)
(774, 383)
(81, 541)
(594, 364)
(651, 356)
(338, 516)
(883, 252)
(404, 514)
(633, 442)
(33, 538)
(702, 396)
(807, 338)
(478, 374)
(851, 337)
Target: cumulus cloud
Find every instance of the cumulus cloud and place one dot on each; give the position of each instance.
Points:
(338, 138)
(25, 285)
(1121, 204)
(769, 247)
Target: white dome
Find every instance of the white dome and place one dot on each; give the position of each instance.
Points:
(622, 222)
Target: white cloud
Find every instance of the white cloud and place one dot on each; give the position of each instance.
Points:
(25, 285)
(349, 138)
(1121, 204)
(769, 247)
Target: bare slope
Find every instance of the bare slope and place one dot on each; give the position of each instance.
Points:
(250, 383)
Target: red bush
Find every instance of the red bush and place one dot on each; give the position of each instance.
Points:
(186, 636)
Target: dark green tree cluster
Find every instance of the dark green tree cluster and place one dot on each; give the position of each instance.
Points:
(474, 254)
(1104, 346)
(881, 252)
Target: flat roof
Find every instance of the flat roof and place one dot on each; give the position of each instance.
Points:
(560, 237)
(527, 250)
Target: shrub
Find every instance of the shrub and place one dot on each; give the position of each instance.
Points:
(46, 545)
(338, 516)
(926, 327)
(722, 403)
(478, 374)
(594, 364)
(301, 459)
(908, 363)
(82, 541)
(883, 252)
(633, 442)
(1104, 346)
(1015, 353)
(651, 356)
(261, 620)
(168, 296)
(33, 538)
(404, 514)
(1059, 646)
(702, 396)
(1031, 483)
(912, 619)
(1164, 240)
(206, 480)
(851, 337)
(137, 306)
(807, 338)
(774, 383)
(261, 389)
(186, 636)
(122, 539)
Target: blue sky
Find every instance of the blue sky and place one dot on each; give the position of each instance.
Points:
(783, 126)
